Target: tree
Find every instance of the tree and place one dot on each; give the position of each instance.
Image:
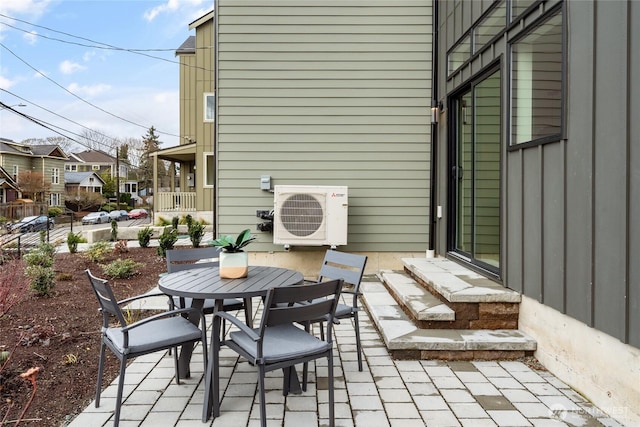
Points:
(66, 144)
(151, 143)
(83, 199)
(109, 187)
(34, 185)
(97, 140)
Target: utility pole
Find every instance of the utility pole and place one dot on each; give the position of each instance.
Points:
(117, 178)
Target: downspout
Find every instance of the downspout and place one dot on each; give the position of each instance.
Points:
(434, 126)
(215, 119)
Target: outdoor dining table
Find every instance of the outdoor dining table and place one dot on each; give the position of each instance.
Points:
(200, 284)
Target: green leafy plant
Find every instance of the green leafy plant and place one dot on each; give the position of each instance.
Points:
(121, 268)
(98, 251)
(144, 237)
(167, 239)
(54, 211)
(162, 221)
(229, 244)
(114, 230)
(73, 239)
(175, 221)
(189, 221)
(196, 232)
(40, 268)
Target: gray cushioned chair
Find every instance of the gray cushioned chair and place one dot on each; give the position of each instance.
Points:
(158, 332)
(281, 342)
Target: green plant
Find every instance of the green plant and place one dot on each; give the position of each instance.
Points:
(54, 211)
(72, 241)
(196, 232)
(121, 247)
(40, 268)
(189, 221)
(144, 236)
(114, 230)
(98, 251)
(175, 221)
(162, 221)
(167, 239)
(229, 244)
(121, 268)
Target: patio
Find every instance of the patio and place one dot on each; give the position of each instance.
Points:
(387, 393)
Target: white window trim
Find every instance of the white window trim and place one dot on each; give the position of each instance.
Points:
(206, 95)
(205, 169)
(55, 175)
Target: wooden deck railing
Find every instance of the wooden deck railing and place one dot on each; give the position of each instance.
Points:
(175, 202)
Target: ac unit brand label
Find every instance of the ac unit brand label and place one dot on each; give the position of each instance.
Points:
(338, 195)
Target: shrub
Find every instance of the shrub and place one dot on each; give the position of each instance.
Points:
(121, 247)
(72, 241)
(196, 232)
(144, 236)
(98, 251)
(114, 230)
(13, 285)
(121, 268)
(40, 268)
(175, 221)
(162, 221)
(167, 239)
(54, 211)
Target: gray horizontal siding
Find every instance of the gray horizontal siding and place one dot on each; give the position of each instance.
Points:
(336, 93)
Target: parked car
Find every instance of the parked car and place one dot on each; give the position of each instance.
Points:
(121, 215)
(138, 213)
(32, 223)
(96, 218)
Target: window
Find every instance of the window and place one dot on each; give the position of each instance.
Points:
(95, 167)
(71, 168)
(209, 107)
(536, 83)
(459, 55)
(208, 169)
(16, 170)
(55, 176)
(489, 27)
(54, 199)
(2, 196)
(519, 6)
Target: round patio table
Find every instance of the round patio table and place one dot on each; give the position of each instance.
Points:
(204, 283)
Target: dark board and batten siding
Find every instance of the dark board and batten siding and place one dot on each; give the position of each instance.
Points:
(327, 93)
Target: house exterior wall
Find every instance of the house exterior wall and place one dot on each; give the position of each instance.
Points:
(330, 93)
(568, 206)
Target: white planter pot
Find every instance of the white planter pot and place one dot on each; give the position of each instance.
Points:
(234, 265)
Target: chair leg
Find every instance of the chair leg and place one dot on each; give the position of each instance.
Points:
(331, 392)
(116, 417)
(356, 325)
(175, 363)
(100, 371)
(263, 404)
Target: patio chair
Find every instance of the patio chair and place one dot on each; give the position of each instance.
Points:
(349, 268)
(158, 332)
(184, 259)
(280, 342)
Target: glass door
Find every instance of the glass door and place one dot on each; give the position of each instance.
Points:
(475, 173)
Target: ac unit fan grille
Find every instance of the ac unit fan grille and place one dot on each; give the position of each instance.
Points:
(301, 215)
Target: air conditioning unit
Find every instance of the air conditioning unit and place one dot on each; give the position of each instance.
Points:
(310, 215)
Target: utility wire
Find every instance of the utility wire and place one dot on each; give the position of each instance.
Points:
(82, 99)
(97, 44)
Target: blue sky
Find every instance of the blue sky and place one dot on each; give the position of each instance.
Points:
(135, 87)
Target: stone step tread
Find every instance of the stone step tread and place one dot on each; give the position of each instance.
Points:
(421, 303)
(400, 333)
(457, 283)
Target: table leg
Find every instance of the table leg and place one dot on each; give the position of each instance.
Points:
(290, 381)
(211, 405)
(186, 351)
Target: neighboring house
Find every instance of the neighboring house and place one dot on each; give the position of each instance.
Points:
(194, 191)
(495, 133)
(8, 187)
(47, 160)
(100, 162)
(76, 182)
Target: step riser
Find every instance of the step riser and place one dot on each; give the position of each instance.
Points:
(458, 355)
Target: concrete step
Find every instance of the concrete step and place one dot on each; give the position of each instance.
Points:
(405, 340)
(456, 283)
(421, 304)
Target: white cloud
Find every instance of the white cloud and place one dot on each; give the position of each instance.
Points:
(70, 67)
(88, 90)
(31, 37)
(169, 7)
(5, 82)
(33, 7)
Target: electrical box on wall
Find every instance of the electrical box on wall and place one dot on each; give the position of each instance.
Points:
(310, 215)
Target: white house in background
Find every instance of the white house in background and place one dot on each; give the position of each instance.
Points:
(83, 181)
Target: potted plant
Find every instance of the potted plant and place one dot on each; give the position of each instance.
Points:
(234, 261)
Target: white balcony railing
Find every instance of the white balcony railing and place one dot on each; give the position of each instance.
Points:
(175, 202)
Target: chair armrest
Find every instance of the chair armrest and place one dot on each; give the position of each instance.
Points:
(239, 323)
(165, 314)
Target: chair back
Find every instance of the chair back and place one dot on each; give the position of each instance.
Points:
(106, 299)
(185, 259)
(343, 265)
(301, 303)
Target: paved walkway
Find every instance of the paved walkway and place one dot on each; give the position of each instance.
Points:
(387, 393)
